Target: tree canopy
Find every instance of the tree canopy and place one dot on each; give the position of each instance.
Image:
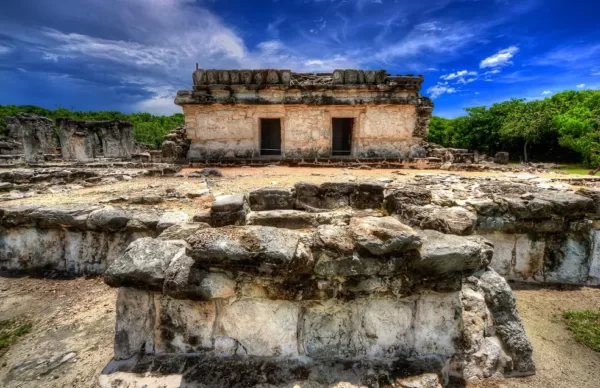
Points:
(561, 128)
(147, 128)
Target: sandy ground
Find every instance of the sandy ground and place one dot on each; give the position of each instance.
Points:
(73, 330)
(77, 316)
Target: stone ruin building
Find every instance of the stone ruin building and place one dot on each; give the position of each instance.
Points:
(277, 113)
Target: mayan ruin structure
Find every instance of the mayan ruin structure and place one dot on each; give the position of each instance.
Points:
(252, 113)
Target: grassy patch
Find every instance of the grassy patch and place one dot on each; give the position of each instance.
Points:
(11, 330)
(585, 326)
(574, 169)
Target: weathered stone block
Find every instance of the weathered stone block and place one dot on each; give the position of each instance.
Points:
(272, 77)
(501, 158)
(199, 77)
(350, 77)
(135, 316)
(338, 77)
(234, 77)
(183, 326)
(446, 253)
(212, 77)
(108, 218)
(171, 218)
(224, 77)
(246, 77)
(117, 139)
(263, 328)
(383, 235)
(184, 281)
(290, 219)
(144, 264)
(77, 141)
(271, 199)
(228, 203)
(367, 196)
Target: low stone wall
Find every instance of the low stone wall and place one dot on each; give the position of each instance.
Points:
(74, 240)
(373, 297)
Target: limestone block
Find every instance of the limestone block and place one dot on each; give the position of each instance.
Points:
(108, 218)
(183, 280)
(504, 248)
(228, 203)
(144, 264)
(370, 77)
(428, 380)
(594, 274)
(259, 77)
(361, 76)
(171, 218)
(446, 253)
(246, 77)
(367, 196)
(182, 231)
(135, 315)
(383, 235)
(212, 77)
(272, 77)
(380, 76)
(117, 139)
(183, 326)
(77, 142)
(35, 135)
(231, 244)
(53, 217)
(327, 331)
(501, 158)
(263, 328)
(351, 77)
(234, 77)
(224, 77)
(437, 328)
(453, 220)
(27, 248)
(529, 257)
(199, 77)
(507, 323)
(290, 219)
(568, 259)
(338, 77)
(271, 199)
(286, 76)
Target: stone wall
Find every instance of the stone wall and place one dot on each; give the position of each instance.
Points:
(71, 239)
(234, 131)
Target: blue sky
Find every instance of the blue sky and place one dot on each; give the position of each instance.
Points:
(133, 55)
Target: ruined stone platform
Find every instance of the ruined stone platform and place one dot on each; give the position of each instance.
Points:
(327, 305)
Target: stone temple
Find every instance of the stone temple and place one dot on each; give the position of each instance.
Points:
(277, 113)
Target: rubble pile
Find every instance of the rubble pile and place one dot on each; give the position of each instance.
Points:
(175, 146)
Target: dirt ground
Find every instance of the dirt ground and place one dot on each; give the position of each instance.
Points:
(73, 320)
(76, 318)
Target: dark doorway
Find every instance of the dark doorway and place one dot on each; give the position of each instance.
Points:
(342, 137)
(270, 137)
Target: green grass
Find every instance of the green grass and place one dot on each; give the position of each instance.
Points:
(585, 326)
(11, 330)
(574, 169)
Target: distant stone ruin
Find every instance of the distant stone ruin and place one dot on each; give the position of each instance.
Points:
(36, 135)
(80, 140)
(277, 113)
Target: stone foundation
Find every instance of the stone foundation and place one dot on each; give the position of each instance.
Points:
(373, 296)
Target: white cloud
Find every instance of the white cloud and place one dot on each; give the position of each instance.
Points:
(501, 58)
(458, 74)
(546, 92)
(439, 89)
(158, 106)
(492, 72)
(426, 39)
(581, 86)
(5, 49)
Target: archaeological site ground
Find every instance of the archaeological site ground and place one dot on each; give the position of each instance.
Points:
(297, 231)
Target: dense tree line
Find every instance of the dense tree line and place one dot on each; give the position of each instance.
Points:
(147, 128)
(562, 128)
